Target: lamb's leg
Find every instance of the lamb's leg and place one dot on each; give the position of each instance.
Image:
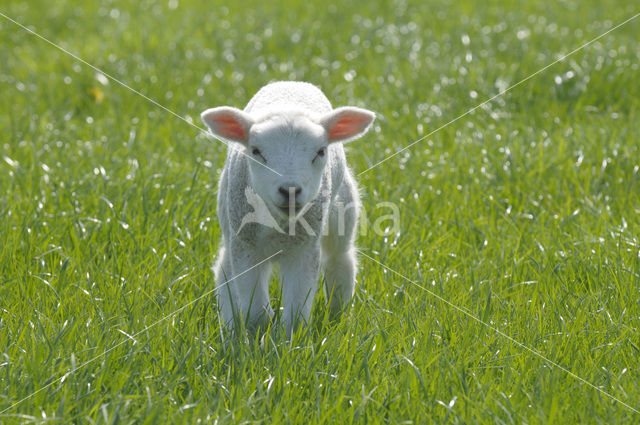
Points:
(226, 293)
(338, 252)
(299, 270)
(339, 279)
(243, 292)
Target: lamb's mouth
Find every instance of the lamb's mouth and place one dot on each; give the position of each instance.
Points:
(290, 210)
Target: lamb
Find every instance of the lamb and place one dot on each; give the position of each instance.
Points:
(285, 148)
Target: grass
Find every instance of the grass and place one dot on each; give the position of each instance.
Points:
(524, 213)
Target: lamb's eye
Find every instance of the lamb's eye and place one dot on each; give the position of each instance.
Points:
(256, 152)
(320, 154)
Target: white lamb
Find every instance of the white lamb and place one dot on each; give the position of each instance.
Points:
(287, 150)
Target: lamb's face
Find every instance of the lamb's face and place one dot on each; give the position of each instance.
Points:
(294, 149)
(287, 150)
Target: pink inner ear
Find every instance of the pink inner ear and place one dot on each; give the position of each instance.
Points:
(229, 127)
(347, 127)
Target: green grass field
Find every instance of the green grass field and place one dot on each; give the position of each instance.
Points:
(524, 213)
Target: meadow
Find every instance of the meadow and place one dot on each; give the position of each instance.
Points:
(510, 293)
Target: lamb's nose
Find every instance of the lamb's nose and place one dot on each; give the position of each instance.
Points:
(289, 191)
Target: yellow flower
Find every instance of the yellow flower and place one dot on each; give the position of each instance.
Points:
(98, 95)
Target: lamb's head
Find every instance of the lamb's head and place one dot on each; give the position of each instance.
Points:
(287, 149)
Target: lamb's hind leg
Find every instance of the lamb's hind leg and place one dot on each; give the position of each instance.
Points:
(340, 279)
(338, 256)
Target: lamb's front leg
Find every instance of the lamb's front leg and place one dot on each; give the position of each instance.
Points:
(299, 269)
(243, 291)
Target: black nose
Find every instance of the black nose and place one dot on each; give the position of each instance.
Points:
(288, 191)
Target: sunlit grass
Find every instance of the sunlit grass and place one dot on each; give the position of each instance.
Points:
(524, 213)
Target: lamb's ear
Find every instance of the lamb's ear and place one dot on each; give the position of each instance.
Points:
(227, 123)
(346, 123)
